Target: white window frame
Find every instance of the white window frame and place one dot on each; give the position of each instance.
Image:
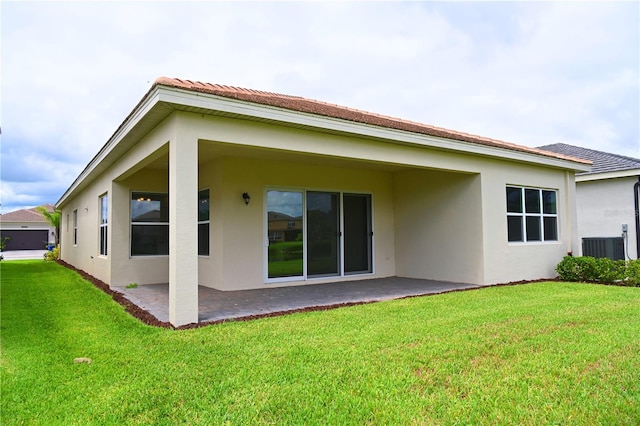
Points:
(541, 215)
(103, 227)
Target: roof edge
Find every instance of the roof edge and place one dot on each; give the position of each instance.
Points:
(350, 114)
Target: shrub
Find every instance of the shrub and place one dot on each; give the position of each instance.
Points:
(569, 269)
(609, 271)
(602, 270)
(53, 254)
(633, 273)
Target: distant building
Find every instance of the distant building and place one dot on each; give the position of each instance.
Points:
(607, 199)
(27, 229)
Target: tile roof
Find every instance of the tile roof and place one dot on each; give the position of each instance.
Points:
(603, 162)
(300, 104)
(26, 215)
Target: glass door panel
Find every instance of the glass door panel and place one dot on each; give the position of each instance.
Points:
(284, 227)
(323, 233)
(357, 233)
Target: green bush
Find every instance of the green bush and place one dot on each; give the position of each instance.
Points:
(610, 271)
(602, 270)
(569, 269)
(53, 254)
(633, 273)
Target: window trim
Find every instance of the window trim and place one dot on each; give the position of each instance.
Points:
(541, 215)
(103, 236)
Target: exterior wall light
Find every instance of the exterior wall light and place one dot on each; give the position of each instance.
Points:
(246, 198)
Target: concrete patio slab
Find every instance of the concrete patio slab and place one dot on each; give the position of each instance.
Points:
(216, 305)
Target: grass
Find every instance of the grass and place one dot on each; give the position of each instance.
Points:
(544, 353)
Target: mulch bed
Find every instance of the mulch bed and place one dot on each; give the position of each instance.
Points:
(149, 319)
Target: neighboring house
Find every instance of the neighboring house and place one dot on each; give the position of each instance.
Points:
(198, 184)
(607, 199)
(27, 229)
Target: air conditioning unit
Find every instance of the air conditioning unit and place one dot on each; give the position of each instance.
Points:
(611, 247)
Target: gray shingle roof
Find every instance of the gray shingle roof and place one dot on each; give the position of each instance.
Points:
(603, 162)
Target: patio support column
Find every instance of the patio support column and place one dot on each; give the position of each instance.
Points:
(183, 229)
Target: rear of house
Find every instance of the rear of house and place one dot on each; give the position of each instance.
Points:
(238, 189)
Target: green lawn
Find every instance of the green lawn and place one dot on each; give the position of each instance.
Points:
(548, 353)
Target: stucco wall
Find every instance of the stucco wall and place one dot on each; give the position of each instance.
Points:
(504, 261)
(604, 206)
(436, 214)
(137, 269)
(438, 220)
(238, 239)
(85, 254)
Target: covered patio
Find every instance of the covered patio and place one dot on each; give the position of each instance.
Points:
(216, 305)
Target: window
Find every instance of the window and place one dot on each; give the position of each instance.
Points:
(149, 224)
(75, 227)
(203, 222)
(104, 213)
(532, 214)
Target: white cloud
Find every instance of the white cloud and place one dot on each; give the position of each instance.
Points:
(529, 73)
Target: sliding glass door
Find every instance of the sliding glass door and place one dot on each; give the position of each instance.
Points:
(313, 234)
(358, 234)
(323, 233)
(284, 233)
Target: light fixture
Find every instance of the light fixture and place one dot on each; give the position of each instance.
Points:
(246, 198)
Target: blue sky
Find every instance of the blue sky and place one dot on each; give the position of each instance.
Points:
(531, 73)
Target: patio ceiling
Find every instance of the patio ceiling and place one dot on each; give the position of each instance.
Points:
(210, 151)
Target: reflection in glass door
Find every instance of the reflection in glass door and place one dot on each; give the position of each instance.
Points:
(284, 228)
(323, 233)
(357, 233)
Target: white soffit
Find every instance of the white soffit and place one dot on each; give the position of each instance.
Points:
(608, 175)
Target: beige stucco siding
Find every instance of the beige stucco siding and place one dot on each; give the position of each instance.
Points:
(604, 206)
(127, 174)
(137, 269)
(238, 235)
(85, 254)
(504, 261)
(436, 214)
(438, 219)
